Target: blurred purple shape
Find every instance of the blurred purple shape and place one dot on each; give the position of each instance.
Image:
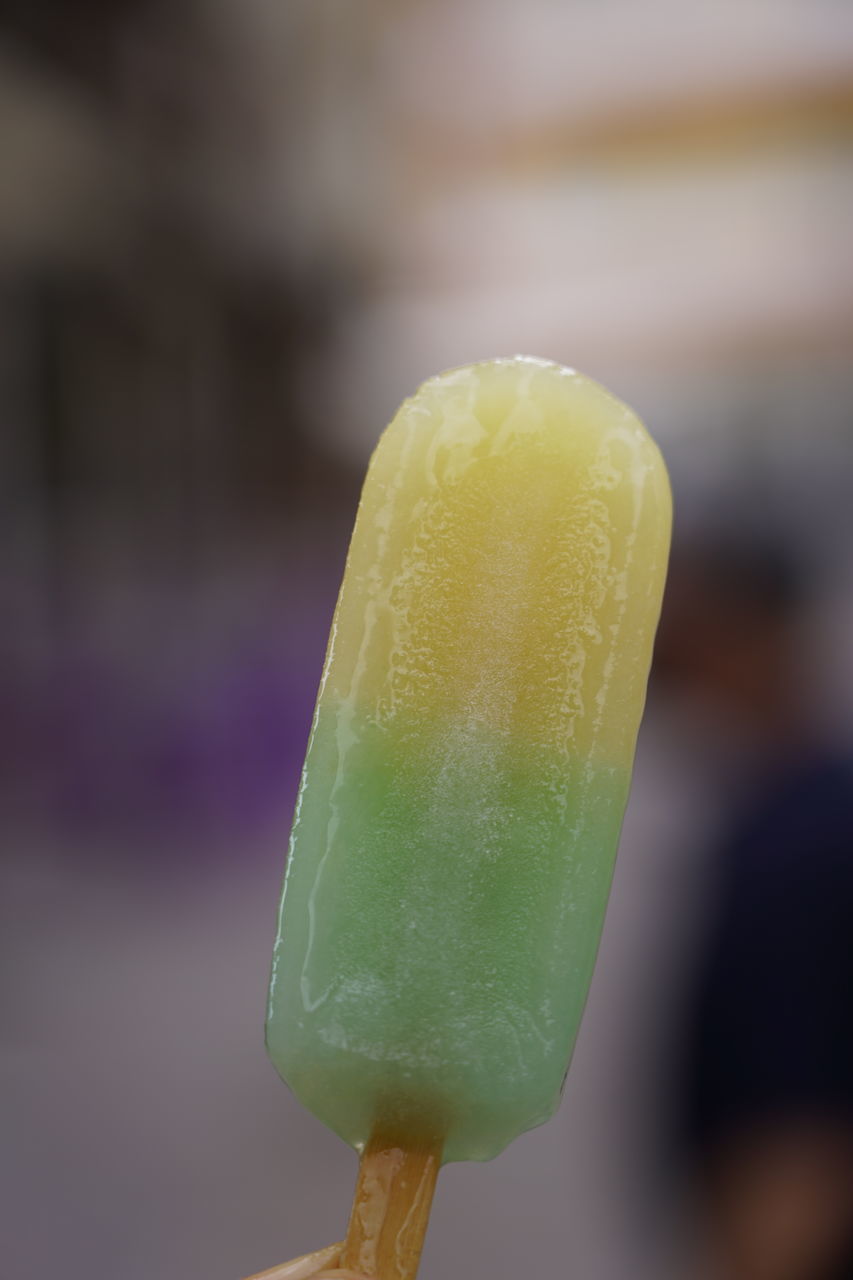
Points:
(92, 746)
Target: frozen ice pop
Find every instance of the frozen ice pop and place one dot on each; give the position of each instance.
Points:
(470, 759)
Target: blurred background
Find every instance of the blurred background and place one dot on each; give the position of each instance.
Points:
(233, 235)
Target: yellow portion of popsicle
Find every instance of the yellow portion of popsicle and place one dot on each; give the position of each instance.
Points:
(509, 507)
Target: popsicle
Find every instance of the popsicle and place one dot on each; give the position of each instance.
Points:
(469, 762)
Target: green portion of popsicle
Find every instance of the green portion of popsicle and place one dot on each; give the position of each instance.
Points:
(470, 759)
(444, 949)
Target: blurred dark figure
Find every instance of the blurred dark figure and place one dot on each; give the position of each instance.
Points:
(766, 1072)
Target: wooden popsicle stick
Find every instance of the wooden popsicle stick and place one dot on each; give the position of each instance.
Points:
(390, 1209)
(301, 1268)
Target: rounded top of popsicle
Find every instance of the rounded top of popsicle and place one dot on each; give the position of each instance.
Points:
(524, 377)
(464, 373)
(540, 362)
(490, 403)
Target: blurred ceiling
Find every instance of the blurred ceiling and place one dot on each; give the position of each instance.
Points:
(654, 191)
